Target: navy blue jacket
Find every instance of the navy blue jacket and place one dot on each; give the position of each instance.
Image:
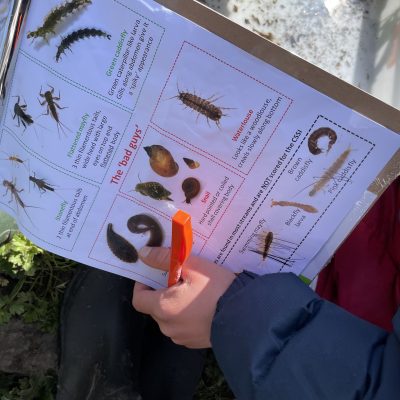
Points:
(274, 338)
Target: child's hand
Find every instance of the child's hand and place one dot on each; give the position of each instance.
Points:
(184, 311)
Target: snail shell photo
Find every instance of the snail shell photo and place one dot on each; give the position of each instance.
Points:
(161, 161)
(191, 188)
(191, 163)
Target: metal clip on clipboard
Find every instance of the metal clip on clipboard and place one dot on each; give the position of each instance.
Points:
(11, 41)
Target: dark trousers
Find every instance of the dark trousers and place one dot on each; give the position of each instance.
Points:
(110, 351)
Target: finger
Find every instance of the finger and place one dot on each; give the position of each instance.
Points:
(145, 299)
(141, 287)
(156, 257)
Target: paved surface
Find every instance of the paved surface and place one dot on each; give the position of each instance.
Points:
(356, 40)
(25, 349)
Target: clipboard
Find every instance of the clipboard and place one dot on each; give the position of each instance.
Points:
(262, 49)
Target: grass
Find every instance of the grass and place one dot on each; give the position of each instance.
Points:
(38, 387)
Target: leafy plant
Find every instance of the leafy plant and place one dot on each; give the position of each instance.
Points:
(18, 256)
(31, 283)
(38, 387)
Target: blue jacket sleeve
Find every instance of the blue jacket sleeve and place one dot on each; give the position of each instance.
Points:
(274, 338)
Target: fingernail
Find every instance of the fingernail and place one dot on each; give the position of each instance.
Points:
(144, 251)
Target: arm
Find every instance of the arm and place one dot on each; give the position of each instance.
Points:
(274, 338)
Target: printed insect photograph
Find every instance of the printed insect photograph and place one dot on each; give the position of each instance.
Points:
(56, 16)
(269, 250)
(272, 247)
(51, 102)
(59, 32)
(75, 36)
(16, 195)
(23, 117)
(210, 103)
(204, 107)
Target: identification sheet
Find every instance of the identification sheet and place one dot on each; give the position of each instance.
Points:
(121, 112)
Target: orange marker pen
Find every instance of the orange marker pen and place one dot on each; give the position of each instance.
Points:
(181, 246)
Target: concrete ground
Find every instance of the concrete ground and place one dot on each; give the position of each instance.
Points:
(355, 40)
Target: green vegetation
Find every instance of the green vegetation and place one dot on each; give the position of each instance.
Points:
(31, 283)
(13, 387)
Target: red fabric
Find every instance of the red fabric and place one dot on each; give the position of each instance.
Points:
(364, 275)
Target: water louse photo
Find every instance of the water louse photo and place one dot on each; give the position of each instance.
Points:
(203, 106)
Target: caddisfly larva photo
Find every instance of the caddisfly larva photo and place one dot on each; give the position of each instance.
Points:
(75, 36)
(50, 102)
(55, 17)
(330, 173)
(317, 136)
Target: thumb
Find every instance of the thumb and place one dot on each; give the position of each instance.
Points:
(145, 299)
(156, 257)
